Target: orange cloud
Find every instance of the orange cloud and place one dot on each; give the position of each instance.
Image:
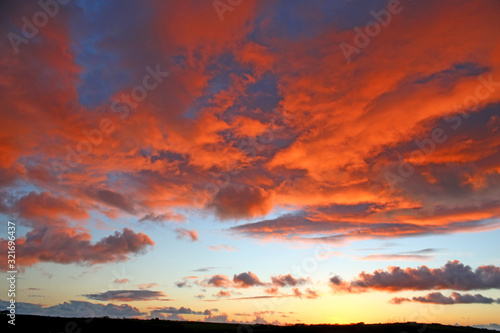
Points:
(68, 245)
(232, 202)
(185, 233)
(418, 106)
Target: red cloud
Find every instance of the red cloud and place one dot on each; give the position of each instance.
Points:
(271, 291)
(244, 126)
(288, 280)
(232, 202)
(242, 280)
(184, 233)
(223, 293)
(45, 206)
(218, 281)
(326, 154)
(245, 280)
(297, 292)
(328, 227)
(309, 293)
(399, 300)
(147, 285)
(161, 218)
(115, 199)
(68, 245)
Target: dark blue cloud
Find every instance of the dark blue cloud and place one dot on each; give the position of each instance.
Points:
(101, 32)
(76, 309)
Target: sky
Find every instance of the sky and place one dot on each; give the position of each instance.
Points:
(252, 161)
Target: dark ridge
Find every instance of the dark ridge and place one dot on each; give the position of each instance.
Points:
(41, 324)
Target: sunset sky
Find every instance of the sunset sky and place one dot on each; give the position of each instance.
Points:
(253, 161)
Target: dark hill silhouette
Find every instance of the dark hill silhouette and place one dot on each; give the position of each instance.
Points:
(41, 324)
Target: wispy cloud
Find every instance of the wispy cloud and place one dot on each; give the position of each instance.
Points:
(187, 234)
(147, 285)
(222, 247)
(128, 295)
